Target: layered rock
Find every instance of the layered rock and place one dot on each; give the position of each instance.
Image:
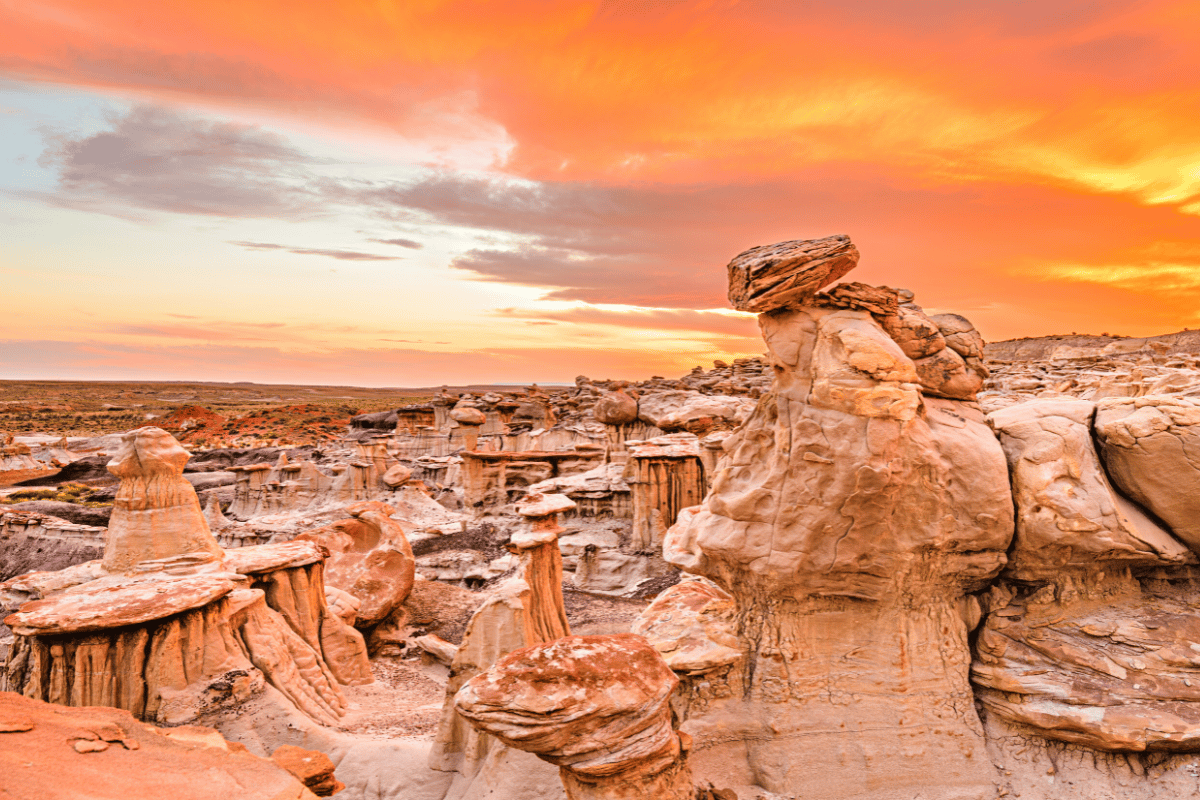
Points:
(666, 476)
(169, 627)
(370, 558)
(849, 519)
(53, 753)
(788, 274)
(1090, 636)
(156, 513)
(596, 707)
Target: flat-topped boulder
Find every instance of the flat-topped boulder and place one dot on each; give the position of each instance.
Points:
(131, 602)
(788, 274)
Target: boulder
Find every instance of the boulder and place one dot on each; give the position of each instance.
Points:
(615, 408)
(788, 274)
(595, 706)
(1151, 451)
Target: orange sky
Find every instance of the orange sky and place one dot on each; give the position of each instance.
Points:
(572, 177)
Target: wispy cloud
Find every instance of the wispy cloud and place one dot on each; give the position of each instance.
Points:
(409, 243)
(341, 255)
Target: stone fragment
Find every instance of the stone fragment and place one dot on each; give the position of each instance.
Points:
(692, 625)
(945, 374)
(311, 767)
(466, 415)
(595, 706)
(788, 274)
(917, 334)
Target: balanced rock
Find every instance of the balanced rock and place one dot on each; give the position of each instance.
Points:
(788, 274)
(615, 408)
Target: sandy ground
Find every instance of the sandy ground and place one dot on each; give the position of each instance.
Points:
(405, 701)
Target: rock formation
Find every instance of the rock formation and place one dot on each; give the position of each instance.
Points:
(666, 476)
(156, 513)
(1090, 637)
(788, 274)
(169, 627)
(850, 518)
(596, 707)
(49, 752)
(370, 558)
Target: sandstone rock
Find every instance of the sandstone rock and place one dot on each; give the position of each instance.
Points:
(596, 706)
(370, 558)
(692, 625)
(788, 274)
(917, 334)
(465, 415)
(848, 519)
(311, 767)
(1095, 657)
(58, 753)
(665, 475)
(615, 408)
(673, 411)
(396, 476)
(156, 513)
(945, 374)
(1151, 449)
(1067, 512)
(880, 301)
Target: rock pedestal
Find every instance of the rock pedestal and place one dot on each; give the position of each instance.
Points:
(849, 519)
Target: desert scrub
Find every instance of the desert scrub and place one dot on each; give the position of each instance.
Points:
(77, 493)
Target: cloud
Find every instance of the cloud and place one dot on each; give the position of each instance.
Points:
(341, 255)
(707, 322)
(157, 159)
(409, 243)
(214, 361)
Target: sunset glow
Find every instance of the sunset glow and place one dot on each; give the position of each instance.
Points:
(450, 191)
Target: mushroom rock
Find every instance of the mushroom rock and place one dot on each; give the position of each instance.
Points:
(524, 610)
(849, 518)
(595, 706)
(615, 408)
(541, 564)
(370, 558)
(156, 513)
(1091, 633)
(1151, 450)
(467, 415)
(788, 274)
(50, 752)
(188, 631)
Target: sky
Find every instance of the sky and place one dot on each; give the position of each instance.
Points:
(384, 193)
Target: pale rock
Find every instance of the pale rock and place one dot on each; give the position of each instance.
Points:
(1151, 450)
(692, 625)
(677, 410)
(1067, 511)
(615, 408)
(370, 558)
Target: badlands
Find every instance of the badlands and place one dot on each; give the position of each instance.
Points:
(884, 561)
